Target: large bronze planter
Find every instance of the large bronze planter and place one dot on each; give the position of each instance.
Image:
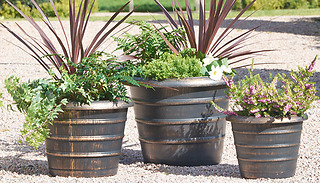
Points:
(177, 124)
(86, 141)
(266, 147)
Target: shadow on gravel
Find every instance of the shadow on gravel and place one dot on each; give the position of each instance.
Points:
(301, 26)
(20, 164)
(225, 170)
(130, 156)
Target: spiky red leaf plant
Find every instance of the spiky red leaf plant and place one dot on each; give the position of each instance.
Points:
(209, 40)
(72, 48)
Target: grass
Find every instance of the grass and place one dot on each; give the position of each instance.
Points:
(144, 5)
(232, 14)
(283, 12)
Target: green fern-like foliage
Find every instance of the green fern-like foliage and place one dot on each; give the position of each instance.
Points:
(148, 44)
(98, 77)
(173, 66)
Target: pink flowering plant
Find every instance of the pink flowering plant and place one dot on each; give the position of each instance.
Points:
(282, 96)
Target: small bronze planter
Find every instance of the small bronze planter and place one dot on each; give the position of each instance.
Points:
(86, 141)
(266, 147)
(177, 124)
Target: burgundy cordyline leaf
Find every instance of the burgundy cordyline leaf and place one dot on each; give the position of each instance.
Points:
(101, 40)
(167, 42)
(34, 55)
(39, 48)
(62, 28)
(202, 24)
(188, 7)
(46, 40)
(191, 36)
(136, 45)
(73, 50)
(227, 31)
(120, 33)
(167, 14)
(212, 27)
(93, 42)
(209, 42)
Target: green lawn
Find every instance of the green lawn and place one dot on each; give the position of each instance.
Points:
(151, 6)
(232, 14)
(144, 5)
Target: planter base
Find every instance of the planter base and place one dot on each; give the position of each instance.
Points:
(184, 150)
(81, 170)
(267, 147)
(86, 141)
(178, 125)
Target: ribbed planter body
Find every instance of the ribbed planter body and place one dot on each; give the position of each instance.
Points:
(177, 124)
(266, 147)
(86, 141)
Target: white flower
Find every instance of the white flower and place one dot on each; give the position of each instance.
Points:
(206, 61)
(226, 69)
(215, 73)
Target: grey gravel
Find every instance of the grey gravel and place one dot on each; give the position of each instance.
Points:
(297, 41)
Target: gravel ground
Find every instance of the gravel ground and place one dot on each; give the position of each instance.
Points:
(297, 41)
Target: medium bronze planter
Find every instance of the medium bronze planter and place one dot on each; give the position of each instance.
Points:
(266, 147)
(177, 124)
(86, 141)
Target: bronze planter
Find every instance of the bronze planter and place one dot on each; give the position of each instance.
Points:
(86, 141)
(177, 125)
(266, 147)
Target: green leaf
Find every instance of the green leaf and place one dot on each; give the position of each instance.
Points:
(224, 62)
(204, 71)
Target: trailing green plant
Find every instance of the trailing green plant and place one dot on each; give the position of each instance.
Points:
(40, 103)
(43, 99)
(173, 66)
(293, 95)
(148, 44)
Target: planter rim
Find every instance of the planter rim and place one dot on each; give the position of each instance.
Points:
(99, 105)
(203, 81)
(273, 120)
